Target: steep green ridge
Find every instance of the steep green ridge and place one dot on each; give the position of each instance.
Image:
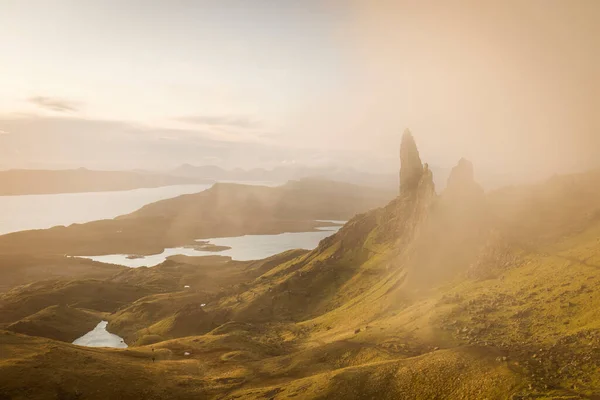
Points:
(178, 312)
(464, 295)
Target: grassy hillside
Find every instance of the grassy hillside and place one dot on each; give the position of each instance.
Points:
(58, 322)
(177, 313)
(101, 296)
(21, 269)
(464, 295)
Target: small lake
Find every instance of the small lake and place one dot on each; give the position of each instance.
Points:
(41, 211)
(100, 337)
(242, 248)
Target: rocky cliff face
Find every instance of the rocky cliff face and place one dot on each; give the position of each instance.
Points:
(433, 237)
(456, 228)
(411, 168)
(461, 182)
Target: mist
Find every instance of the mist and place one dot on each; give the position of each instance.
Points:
(317, 199)
(512, 86)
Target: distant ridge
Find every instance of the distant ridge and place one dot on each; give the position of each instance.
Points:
(226, 209)
(25, 181)
(286, 173)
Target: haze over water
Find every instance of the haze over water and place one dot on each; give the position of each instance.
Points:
(19, 213)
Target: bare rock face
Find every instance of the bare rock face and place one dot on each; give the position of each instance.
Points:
(411, 167)
(455, 230)
(462, 172)
(461, 182)
(417, 193)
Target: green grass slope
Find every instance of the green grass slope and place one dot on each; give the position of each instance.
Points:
(101, 296)
(459, 296)
(62, 323)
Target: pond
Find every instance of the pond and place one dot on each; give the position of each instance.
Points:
(100, 337)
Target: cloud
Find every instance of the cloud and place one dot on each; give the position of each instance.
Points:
(37, 141)
(110, 144)
(3, 132)
(224, 121)
(54, 104)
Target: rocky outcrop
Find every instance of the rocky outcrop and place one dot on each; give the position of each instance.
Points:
(411, 168)
(438, 236)
(403, 217)
(455, 229)
(461, 182)
(463, 201)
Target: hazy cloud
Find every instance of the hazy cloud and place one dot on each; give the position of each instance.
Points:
(106, 144)
(230, 121)
(54, 104)
(3, 132)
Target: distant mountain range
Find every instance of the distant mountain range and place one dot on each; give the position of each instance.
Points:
(23, 182)
(284, 174)
(26, 182)
(387, 181)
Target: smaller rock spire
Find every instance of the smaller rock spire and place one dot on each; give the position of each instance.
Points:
(461, 181)
(461, 173)
(411, 168)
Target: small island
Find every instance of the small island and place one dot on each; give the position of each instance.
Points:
(207, 246)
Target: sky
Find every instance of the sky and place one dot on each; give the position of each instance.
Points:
(120, 84)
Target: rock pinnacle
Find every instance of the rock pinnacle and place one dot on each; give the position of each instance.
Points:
(411, 168)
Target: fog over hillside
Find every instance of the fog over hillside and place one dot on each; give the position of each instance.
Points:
(317, 199)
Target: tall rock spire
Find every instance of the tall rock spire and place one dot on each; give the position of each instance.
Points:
(411, 168)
